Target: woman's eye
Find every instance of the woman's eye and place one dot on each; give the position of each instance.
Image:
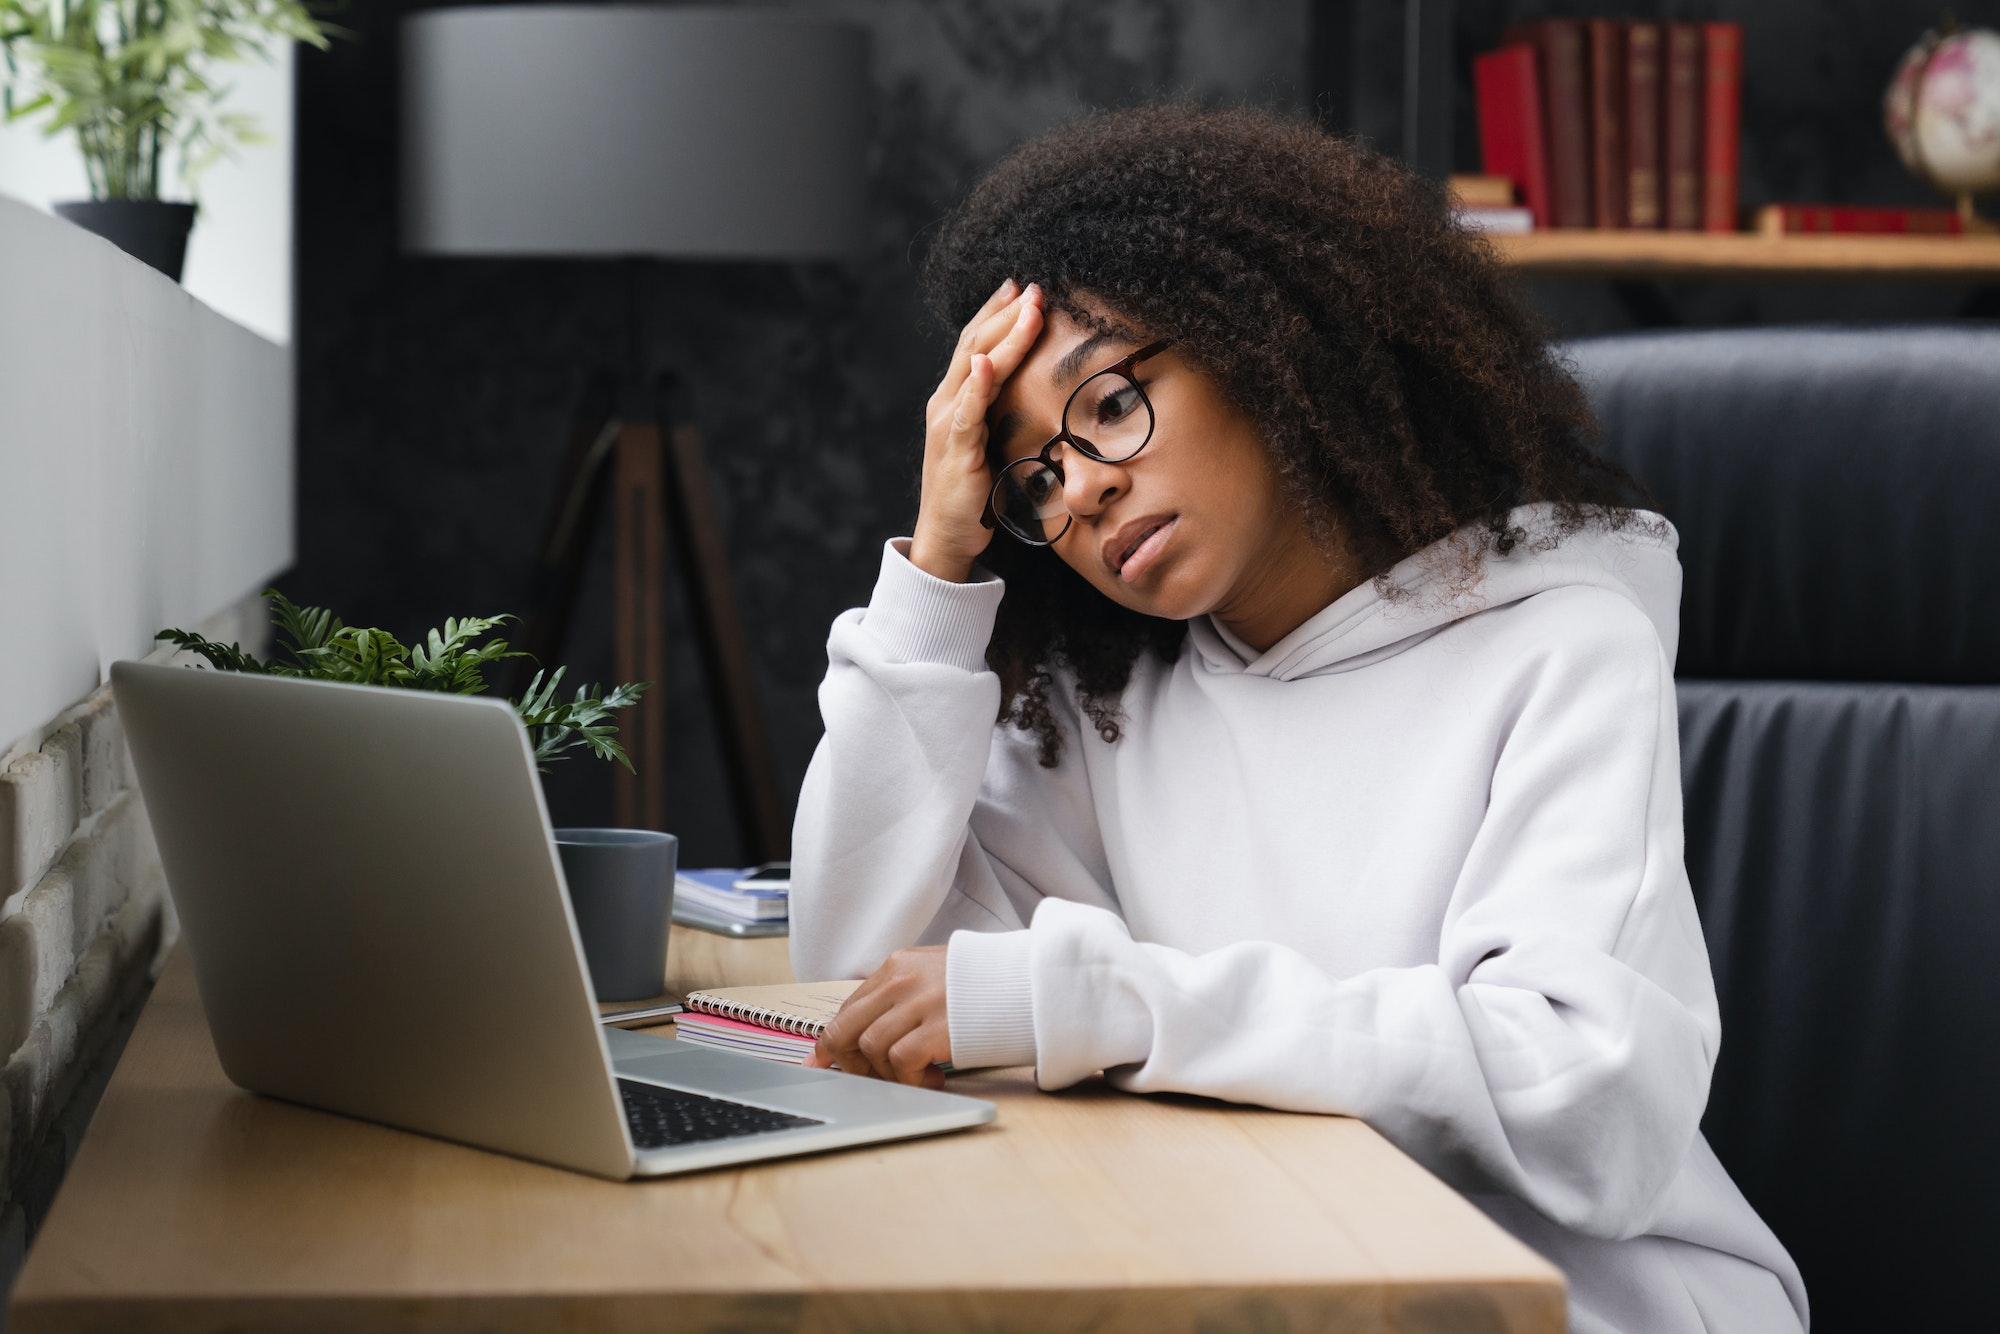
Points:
(1118, 404)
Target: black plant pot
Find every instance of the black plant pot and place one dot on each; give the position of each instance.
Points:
(148, 230)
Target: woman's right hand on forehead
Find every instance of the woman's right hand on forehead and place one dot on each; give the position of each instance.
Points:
(957, 480)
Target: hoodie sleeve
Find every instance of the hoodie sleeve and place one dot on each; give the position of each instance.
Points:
(1560, 1047)
(919, 817)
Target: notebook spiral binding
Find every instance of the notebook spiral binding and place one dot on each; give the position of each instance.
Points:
(757, 1014)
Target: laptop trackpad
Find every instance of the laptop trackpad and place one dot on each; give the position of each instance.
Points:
(713, 1071)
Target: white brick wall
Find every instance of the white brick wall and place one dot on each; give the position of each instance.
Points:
(105, 865)
(84, 920)
(146, 479)
(40, 800)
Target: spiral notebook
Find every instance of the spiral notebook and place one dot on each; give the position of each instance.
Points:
(781, 1023)
(802, 1009)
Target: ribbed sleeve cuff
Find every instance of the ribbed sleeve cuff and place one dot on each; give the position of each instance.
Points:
(920, 618)
(989, 1002)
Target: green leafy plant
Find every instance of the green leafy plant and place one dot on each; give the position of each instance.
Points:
(314, 644)
(135, 78)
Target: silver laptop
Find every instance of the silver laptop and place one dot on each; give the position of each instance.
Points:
(376, 912)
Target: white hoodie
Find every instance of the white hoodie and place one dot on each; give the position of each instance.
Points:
(1420, 862)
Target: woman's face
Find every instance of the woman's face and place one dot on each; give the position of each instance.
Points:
(1196, 522)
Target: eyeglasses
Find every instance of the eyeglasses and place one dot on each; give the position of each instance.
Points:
(1107, 418)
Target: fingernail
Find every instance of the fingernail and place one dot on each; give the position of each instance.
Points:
(1006, 287)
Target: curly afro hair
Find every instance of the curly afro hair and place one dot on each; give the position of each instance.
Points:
(1403, 390)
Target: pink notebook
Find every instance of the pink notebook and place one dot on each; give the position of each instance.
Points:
(712, 1030)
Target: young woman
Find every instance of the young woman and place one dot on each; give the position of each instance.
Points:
(1275, 702)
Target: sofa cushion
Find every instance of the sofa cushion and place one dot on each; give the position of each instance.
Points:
(1844, 845)
(1837, 492)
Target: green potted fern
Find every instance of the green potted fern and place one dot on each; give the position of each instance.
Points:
(135, 82)
(313, 643)
(621, 912)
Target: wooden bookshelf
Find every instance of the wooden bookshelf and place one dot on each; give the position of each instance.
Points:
(1748, 257)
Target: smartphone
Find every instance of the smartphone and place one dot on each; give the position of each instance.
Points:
(771, 875)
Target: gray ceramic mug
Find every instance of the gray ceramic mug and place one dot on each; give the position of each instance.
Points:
(621, 888)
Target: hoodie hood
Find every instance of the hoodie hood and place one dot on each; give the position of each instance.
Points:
(1428, 592)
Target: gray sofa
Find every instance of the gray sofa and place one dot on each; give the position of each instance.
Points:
(1837, 492)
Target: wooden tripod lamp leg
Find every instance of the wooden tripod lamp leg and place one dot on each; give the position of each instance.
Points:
(639, 634)
(659, 492)
(725, 651)
(575, 513)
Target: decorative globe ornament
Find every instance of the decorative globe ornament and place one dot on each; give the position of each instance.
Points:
(1942, 111)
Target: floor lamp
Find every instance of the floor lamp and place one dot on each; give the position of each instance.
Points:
(634, 134)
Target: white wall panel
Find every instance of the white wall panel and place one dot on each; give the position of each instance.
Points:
(146, 462)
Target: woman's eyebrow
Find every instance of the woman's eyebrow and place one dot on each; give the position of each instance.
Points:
(1072, 361)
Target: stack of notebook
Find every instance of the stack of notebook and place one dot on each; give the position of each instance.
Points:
(723, 899)
(779, 1023)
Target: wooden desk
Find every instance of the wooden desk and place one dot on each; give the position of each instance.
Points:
(1748, 257)
(194, 1206)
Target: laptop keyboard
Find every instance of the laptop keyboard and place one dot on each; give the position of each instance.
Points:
(660, 1117)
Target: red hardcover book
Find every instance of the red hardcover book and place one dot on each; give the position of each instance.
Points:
(1681, 138)
(1721, 123)
(1607, 122)
(1513, 141)
(1566, 112)
(1642, 125)
(1804, 219)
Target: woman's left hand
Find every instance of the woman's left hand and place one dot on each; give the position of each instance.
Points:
(894, 1025)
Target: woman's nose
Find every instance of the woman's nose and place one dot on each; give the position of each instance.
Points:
(1088, 486)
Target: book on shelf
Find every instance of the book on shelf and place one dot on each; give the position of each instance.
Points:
(1642, 125)
(1638, 123)
(1558, 45)
(1608, 184)
(1513, 142)
(1495, 221)
(1487, 191)
(1486, 204)
(1847, 219)
(1721, 123)
(1680, 140)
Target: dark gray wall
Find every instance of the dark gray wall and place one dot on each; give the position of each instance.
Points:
(433, 394)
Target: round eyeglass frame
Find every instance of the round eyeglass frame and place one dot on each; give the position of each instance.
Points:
(1045, 456)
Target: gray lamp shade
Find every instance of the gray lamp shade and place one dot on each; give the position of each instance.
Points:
(577, 129)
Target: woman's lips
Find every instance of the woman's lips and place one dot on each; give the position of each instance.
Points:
(1145, 550)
